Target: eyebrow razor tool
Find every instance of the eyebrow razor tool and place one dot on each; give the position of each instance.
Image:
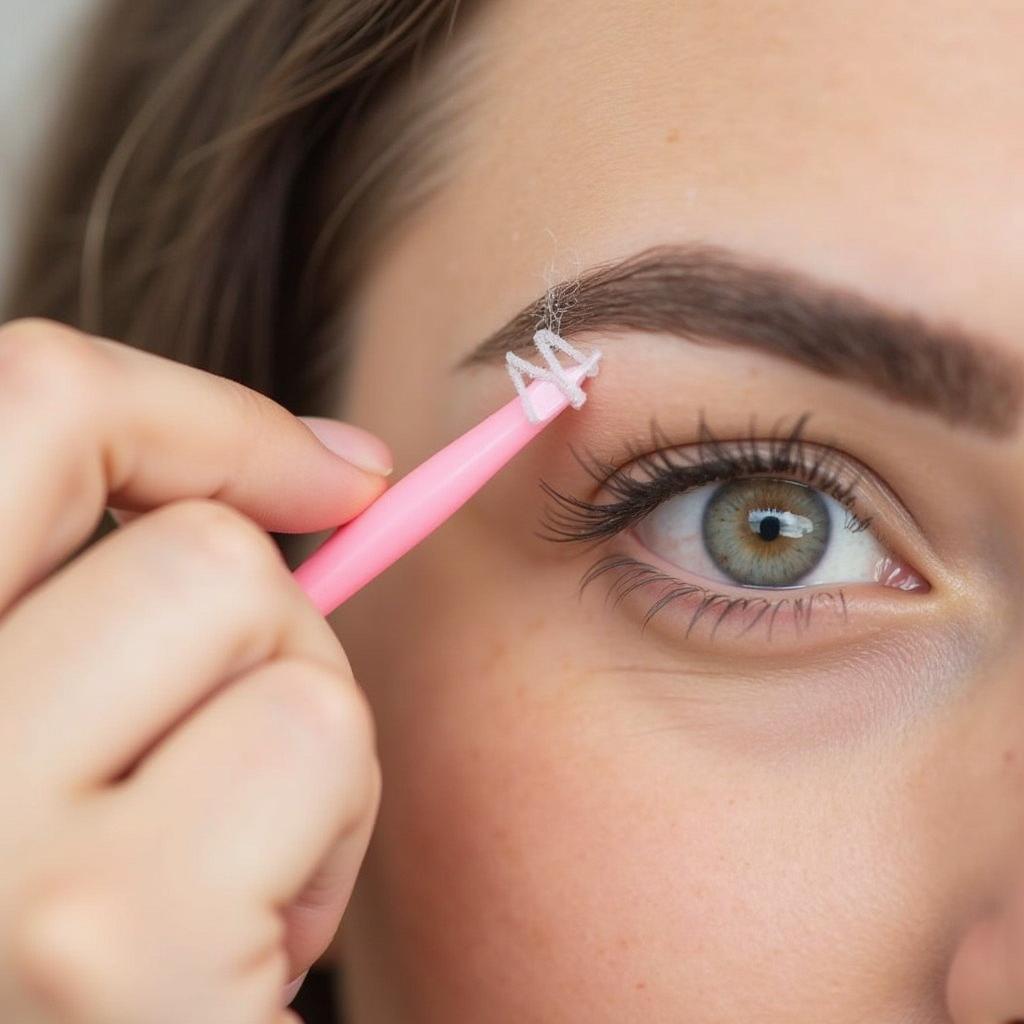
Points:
(430, 493)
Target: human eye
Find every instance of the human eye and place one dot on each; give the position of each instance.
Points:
(769, 532)
(756, 530)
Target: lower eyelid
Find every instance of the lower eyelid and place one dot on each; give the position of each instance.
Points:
(691, 611)
(686, 609)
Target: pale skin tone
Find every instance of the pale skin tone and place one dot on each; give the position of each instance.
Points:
(583, 823)
(580, 822)
(190, 746)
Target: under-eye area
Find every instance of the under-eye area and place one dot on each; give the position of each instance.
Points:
(741, 537)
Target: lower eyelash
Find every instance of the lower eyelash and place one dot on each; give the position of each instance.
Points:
(629, 575)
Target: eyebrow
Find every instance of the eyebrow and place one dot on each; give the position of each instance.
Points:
(709, 294)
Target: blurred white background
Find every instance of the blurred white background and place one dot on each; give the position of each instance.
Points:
(35, 39)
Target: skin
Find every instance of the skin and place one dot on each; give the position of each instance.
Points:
(142, 784)
(581, 822)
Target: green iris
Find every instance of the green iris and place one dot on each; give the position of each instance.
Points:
(763, 532)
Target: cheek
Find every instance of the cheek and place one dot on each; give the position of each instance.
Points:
(547, 837)
(622, 841)
(531, 857)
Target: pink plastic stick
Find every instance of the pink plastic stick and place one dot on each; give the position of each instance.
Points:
(424, 498)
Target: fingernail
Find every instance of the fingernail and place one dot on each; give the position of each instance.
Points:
(291, 990)
(354, 445)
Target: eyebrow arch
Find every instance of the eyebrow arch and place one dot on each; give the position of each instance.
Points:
(709, 294)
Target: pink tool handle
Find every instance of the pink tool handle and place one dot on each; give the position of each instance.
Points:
(423, 499)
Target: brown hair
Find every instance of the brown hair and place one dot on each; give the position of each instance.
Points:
(209, 158)
(218, 176)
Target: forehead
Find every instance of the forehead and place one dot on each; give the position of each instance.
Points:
(879, 145)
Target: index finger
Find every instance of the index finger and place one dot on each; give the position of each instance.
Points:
(87, 422)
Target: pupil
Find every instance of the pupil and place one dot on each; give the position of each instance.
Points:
(769, 527)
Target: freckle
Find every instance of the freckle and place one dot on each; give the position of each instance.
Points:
(1011, 768)
(672, 136)
(535, 624)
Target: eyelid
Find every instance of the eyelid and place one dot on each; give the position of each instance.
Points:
(777, 452)
(877, 607)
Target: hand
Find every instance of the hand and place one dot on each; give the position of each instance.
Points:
(190, 779)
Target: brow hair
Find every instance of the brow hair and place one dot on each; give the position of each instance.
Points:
(711, 295)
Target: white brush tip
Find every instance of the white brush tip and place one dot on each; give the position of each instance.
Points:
(555, 385)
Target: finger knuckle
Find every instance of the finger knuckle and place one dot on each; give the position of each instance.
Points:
(40, 357)
(332, 706)
(218, 539)
(34, 328)
(326, 702)
(64, 944)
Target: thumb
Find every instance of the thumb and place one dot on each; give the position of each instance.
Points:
(359, 447)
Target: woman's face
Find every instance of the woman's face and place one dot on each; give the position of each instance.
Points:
(793, 809)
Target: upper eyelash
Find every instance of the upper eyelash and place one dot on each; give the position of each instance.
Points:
(669, 470)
